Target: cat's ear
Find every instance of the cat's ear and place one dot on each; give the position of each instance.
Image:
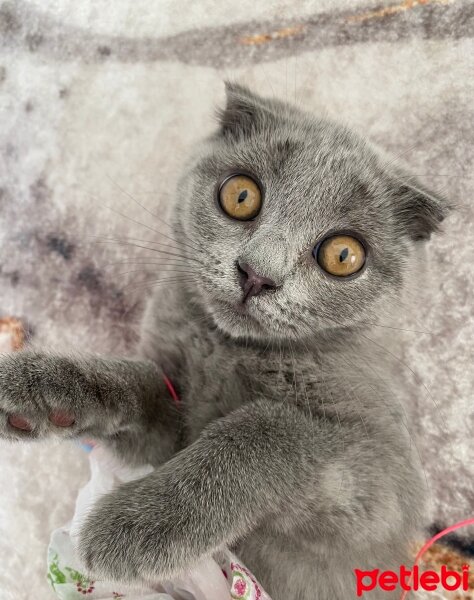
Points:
(419, 211)
(244, 111)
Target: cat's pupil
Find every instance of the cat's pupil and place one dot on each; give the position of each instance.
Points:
(344, 254)
(242, 196)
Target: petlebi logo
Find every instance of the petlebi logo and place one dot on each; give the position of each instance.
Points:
(414, 578)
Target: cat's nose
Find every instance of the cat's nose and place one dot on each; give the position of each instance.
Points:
(251, 282)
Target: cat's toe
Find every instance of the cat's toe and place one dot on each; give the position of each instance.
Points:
(32, 405)
(105, 549)
(20, 422)
(118, 547)
(62, 418)
(18, 425)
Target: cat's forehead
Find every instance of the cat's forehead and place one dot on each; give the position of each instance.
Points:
(298, 153)
(311, 173)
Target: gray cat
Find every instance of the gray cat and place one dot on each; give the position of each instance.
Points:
(293, 236)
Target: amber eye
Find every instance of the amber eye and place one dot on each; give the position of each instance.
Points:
(340, 255)
(240, 197)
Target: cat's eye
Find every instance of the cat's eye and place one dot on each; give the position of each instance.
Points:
(240, 197)
(340, 255)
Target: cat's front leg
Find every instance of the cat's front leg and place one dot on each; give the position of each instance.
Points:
(45, 395)
(265, 467)
(243, 469)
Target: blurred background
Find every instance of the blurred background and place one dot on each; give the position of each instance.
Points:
(100, 103)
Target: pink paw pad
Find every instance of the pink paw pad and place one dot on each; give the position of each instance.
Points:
(62, 419)
(19, 422)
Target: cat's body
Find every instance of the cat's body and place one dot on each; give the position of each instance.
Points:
(310, 548)
(288, 444)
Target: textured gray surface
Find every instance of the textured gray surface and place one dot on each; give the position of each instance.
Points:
(96, 96)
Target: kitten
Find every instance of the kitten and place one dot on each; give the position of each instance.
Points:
(295, 234)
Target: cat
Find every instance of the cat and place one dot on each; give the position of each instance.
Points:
(293, 235)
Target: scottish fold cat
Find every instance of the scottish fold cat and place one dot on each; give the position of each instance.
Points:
(291, 236)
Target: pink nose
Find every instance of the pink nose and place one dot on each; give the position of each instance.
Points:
(251, 282)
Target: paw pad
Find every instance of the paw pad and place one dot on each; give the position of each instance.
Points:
(62, 419)
(19, 422)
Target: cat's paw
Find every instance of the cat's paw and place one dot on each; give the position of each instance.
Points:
(141, 532)
(35, 397)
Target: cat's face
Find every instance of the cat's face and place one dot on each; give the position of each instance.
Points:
(298, 225)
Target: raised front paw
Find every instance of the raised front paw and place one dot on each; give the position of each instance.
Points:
(37, 396)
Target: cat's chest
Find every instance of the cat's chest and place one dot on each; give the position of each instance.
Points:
(222, 379)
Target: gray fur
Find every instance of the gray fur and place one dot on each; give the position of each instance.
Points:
(288, 447)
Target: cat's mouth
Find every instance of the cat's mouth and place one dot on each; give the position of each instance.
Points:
(241, 307)
(249, 320)
(238, 314)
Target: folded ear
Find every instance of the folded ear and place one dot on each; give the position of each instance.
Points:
(244, 111)
(419, 211)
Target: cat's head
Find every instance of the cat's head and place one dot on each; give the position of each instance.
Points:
(299, 226)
